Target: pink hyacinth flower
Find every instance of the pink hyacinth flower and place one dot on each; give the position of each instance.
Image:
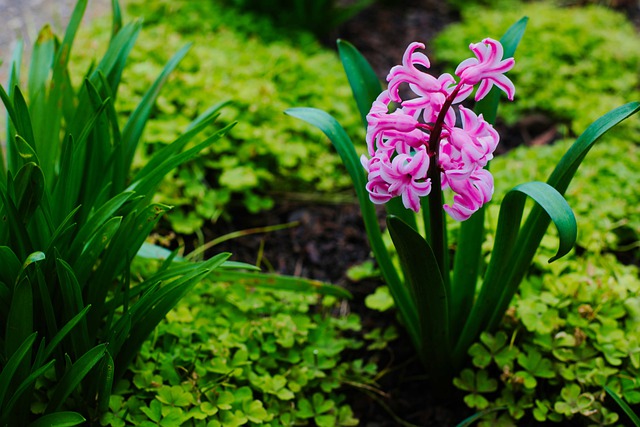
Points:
(487, 69)
(470, 194)
(385, 129)
(407, 177)
(405, 137)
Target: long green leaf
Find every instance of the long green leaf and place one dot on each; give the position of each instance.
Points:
(279, 282)
(565, 170)
(497, 289)
(25, 386)
(153, 306)
(624, 406)
(20, 319)
(341, 141)
(429, 293)
(364, 82)
(147, 184)
(97, 220)
(71, 291)
(12, 365)
(105, 382)
(72, 378)
(93, 249)
(41, 63)
(538, 220)
(10, 266)
(59, 419)
(62, 333)
(137, 121)
(14, 78)
(116, 23)
(29, 188)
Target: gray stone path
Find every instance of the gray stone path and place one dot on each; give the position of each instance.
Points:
(23, 19)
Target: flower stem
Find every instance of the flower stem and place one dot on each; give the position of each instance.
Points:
(438, 225)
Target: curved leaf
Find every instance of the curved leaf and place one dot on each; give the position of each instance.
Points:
(499, 281)
(59, 419)
(624, 406)
(13, 363)
(565, 170)
(364, 82)
(72, 378)
(343, 145)
(429, 292)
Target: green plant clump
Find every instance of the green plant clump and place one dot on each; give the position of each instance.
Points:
(230, 356)
(574, 64)
(263, 74)
(568, 334)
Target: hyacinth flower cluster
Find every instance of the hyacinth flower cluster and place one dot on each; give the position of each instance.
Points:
(421, 140)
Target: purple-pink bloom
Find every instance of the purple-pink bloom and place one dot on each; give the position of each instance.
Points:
(405, 137)
(487, 68)
(470, 194)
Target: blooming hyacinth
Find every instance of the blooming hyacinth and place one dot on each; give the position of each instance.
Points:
(406, 137)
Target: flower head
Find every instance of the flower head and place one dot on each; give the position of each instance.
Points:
(407, 137)
(487, 68)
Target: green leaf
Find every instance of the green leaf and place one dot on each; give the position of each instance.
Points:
(93, 249)
(15, 361)
(97, 220)
(72, 378)
(64, 331)
(429, 293)
(20, 319)
(116, 24)
(380, 300)
(281, 282)
(343, 145)
(10, 266)
(26, 386)
(138, 119)
(624, 406)
(498, 290)
(364, 83)
(174, 396)
(59, 419)
(565, 170)
(29, 187)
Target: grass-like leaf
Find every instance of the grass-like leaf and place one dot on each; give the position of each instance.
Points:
(343, 145)
(59, 419)
(429, 292)
(364, 82)
(624, 406)
(279, 282)
(11, 366)
(72, 378)
(497, 289)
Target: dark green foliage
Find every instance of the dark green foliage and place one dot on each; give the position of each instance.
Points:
(72, 218)
(317, 16)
